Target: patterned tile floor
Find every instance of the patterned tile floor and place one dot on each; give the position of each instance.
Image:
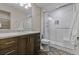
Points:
(54, 51)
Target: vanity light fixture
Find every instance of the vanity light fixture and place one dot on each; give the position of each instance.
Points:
(29, 5)
(21, 4)
(25, 5)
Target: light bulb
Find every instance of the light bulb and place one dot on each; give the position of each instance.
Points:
(26, 7)
(29, 5)
(21, 4)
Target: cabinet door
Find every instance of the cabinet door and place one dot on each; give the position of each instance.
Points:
(30, 45)
(36, 44)
(9, 51)
(5, 43)
(22, 45)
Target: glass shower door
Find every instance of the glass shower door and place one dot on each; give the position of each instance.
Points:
(59, 25)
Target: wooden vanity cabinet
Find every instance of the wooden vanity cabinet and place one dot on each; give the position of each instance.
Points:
(20, 45)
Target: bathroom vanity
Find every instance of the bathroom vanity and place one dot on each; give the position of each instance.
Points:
(20, 43)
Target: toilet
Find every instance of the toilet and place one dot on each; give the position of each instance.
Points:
(44, 45)
(44, 41)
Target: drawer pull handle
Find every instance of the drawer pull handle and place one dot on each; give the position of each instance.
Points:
(10, 42)
(9, 52)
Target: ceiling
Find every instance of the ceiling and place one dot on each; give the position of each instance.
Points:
(44, 6)
(17, 6)
(50, 6)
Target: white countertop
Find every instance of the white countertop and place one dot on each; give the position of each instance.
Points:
(14, 34)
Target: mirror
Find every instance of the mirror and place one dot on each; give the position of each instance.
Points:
(15, 16)
(4, 20)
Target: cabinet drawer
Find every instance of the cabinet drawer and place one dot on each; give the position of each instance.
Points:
(9, 51)
(7, 43)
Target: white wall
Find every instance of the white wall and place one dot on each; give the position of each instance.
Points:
(77, 7)
(17, 16)
(36, 15)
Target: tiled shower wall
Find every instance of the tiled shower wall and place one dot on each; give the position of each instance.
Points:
(60, 35)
